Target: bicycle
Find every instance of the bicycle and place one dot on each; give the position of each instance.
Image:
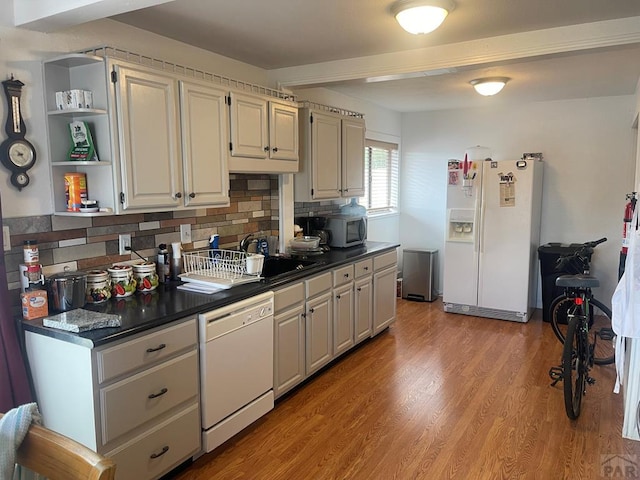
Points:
(578, 353)
(578, 263)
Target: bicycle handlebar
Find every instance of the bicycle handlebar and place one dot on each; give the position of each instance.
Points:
(578, 261)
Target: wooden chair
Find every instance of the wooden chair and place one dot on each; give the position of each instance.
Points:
(57, 457)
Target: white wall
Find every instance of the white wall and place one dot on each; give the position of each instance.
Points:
(589, 166)
(21, 54)
(383, 125)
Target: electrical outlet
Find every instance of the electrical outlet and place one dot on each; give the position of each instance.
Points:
(6, 238)
(124, 240)
(185, 233)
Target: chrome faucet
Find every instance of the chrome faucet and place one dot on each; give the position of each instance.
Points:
(245, 242)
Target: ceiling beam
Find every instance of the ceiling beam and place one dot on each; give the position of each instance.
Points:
(440, 59)
(52, 15)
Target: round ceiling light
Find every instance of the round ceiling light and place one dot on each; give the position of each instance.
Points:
(421, 16)
(490, 85)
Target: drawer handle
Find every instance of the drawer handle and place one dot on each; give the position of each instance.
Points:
(311, 310)
(159, 394)
(366, 269)
(159, 347)
(338, 297)
(165, 449)
(346, 275)
(359, 289)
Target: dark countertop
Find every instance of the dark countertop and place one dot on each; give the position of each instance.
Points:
(166, 304)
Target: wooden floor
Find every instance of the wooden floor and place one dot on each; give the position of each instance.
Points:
(437, 396)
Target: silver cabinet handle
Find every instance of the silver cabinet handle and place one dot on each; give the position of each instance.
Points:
(164, 450)
(159, 394)
(155, 349)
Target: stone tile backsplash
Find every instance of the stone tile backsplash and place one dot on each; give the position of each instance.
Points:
(84, 243)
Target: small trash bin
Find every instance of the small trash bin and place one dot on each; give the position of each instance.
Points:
(418, 274)
(549, 255)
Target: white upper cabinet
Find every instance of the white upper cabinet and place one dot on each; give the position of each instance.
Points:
(249, 134)
(203, 115)
(283, 132)
(332, 156)
(353, 130)
(149, 138)
(172, 141)
(264, 135)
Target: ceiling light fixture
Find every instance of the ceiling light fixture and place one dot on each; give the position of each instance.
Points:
(490, 85)
(421, 16)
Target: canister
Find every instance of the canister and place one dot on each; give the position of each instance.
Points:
(145, 276)
(98, 286)
(122, 282)
(75, 188)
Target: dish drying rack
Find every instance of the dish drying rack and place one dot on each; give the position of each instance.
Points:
(220, 268)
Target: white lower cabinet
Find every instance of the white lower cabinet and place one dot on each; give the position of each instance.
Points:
(319, 319)
(289, 338)
(384, 290)
(135, 400)
(363, 308)
(318, 324)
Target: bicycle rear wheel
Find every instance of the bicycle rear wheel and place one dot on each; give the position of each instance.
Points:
(574, 364)
(600, 332)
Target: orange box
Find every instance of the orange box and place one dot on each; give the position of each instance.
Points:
(34, 304)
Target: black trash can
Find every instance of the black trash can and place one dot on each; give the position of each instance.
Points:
(548, 255)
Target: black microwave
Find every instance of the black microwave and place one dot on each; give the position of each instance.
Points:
(346, 231)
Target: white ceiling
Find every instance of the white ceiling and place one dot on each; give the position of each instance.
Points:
(279, 34)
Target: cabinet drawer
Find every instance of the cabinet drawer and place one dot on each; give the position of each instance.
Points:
(319, 284)
(135, 400)
(385, 260)
(286, 297)
(342, 275)
(135, 354)
(178, 437)
(363, 268)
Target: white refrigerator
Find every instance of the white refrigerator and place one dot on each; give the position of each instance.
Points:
(492, 237)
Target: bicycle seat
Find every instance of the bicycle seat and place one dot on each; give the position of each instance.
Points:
(577, 281)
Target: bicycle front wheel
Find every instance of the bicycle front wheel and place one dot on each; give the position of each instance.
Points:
(574, 364)
(600, 332)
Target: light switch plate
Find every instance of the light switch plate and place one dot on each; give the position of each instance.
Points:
(185, 233)
(6, 238)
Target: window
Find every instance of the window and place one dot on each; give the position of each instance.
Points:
(380, 177)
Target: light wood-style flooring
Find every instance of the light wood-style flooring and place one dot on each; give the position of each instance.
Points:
(437, 396)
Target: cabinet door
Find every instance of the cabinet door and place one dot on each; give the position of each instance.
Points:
(318, 332)
(363, 308)
(249, 136)
(289, 350)
(147, 115)
(353, 157)
(203, 114)
(384, 298)
(283, 132)
(326, 136)
(343, 319)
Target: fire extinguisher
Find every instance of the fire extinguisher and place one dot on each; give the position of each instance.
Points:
(626, 229)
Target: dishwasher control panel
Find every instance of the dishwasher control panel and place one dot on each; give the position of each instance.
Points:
(227, 319)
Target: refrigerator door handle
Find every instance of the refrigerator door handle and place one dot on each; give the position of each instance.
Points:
(480, 230)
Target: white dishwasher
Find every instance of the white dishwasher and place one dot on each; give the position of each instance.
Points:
(236, 367)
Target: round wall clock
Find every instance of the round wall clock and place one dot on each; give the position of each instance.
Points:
(16, 153)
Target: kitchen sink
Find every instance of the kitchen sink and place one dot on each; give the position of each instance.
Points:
(280, 266)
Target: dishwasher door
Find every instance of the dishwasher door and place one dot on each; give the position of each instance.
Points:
(236, 358)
